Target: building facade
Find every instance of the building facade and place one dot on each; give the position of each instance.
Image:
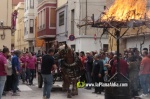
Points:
(5, 23)
(20, 43)
(62, 21)
(29, 23)
(76, 12)
(47, 21)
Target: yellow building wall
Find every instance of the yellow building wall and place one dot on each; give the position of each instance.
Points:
(20, 43)
(132, 32)
(5, 16)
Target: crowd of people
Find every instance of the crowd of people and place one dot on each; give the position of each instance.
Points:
(14, 67)
(102, 66)
(99, 67)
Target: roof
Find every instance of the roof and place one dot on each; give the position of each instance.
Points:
(15, 2)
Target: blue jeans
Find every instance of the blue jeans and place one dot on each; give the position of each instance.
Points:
(23, 75)
(144, 83)
(48, 83)
(31, 75)
(27, 74)
(15, 82)
(2, 84)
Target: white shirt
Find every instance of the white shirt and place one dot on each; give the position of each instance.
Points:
(9, 68)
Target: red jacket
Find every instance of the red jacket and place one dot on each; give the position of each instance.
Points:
(123, 67)
(83, 59)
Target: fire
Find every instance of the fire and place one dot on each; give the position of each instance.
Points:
(125, 10)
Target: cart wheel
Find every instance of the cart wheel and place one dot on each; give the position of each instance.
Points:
(40, 81)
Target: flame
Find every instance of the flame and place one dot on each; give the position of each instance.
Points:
(148, 14)
(125, 10)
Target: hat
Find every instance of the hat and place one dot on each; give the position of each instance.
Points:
(87, 52)
(97, 56)
(12, 51)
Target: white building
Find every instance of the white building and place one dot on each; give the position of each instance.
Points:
(29, 21)
(62, 29)
(75, 13)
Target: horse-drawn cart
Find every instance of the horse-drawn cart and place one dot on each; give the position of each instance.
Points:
(71, 70)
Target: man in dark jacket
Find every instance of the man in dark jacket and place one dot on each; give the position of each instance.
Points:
(89, 63)
(98, 73)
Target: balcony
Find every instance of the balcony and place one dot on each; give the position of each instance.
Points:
(29, 12)
(29, 36)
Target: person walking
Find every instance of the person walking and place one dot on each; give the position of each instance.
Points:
(16, 71)
(98, 73)
(23, 67)
(3, 69)
(31, 61)
(144, 73)
(47, 65)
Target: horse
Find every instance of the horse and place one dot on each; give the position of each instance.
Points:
(71, 70)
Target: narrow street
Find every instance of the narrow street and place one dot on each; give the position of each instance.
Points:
(33, 92)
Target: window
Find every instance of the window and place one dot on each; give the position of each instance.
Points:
(105, 47)
(39, 1)
(25, 28)
(53, 17)
(31, 4)
(24, 49)
(27, 4)
(43, 19)
(72, 21)
(31, 25)
(61, 18)
(73, 47)
(40, 20)
(18, 37)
